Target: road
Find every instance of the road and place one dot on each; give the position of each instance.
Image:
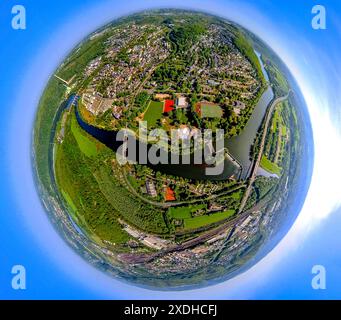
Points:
(256, 164)
(176, 204)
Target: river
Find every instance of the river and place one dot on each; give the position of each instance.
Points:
(238, 147)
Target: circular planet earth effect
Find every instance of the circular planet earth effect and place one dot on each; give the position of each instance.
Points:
(172, 225)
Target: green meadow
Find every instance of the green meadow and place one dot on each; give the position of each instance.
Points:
(153, 113)
(270, 166)
(201, 221)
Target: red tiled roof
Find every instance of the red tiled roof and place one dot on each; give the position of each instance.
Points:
(169, 194)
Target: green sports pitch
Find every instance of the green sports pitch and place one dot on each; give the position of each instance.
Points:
(153, 113)
(211, 111)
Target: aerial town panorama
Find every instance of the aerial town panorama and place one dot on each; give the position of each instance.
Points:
(181, 73)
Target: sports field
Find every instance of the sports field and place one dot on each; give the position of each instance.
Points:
(153, 113)
(209, 110)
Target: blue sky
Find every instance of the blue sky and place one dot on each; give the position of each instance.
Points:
(29, 57)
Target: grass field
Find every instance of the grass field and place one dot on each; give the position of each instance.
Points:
(184, 212)
(284, 130)
(153, 113)
(237, 195)
(270, 166)
(85, 144)
(197, 222)
(276, 121)
(211, 111)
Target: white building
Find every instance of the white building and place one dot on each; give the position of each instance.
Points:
(181, 102)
